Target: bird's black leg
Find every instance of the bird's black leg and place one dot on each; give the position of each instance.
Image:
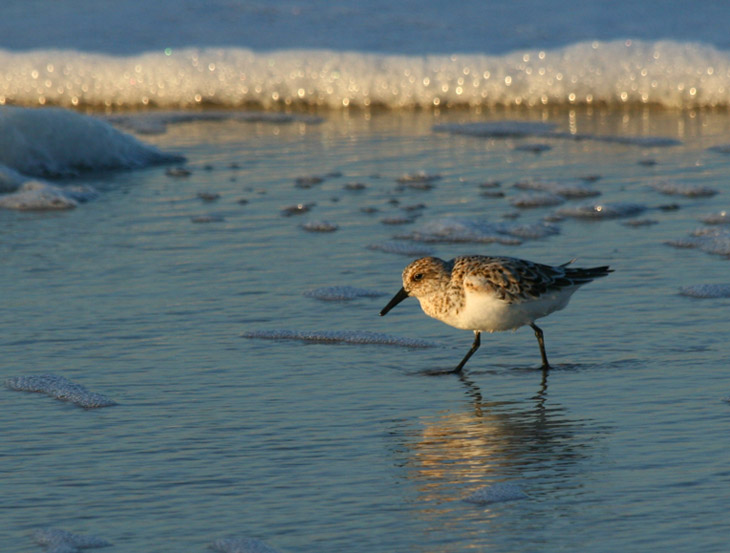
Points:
(541, 342)
(474, 347)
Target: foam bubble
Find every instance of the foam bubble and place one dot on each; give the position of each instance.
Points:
(340, 337)
(602, 211)
(241, 544)
(536, 199)
(341, 293)
(571, 191)
(41, 196)
(496, 493)
(706, 291)
(320, 226)
(712, 240)
(61, 388)
(689, 190)
(721, 218)
(456, 230)
(61, 541)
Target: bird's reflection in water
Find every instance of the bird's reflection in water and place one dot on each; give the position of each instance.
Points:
(449, 455)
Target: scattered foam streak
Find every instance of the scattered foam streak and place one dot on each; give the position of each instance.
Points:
(341, 293)
(60, 388)
(706, 291)
(320, 226)
(241, 544)
(496, 493)
(340, 336)
(61, 541)
(602, 211)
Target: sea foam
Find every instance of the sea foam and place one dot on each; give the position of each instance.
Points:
(458, 229)
(55, 142)
(61, 388)
(62, 541)
(340, 337)
(616, 73)
(341, 293)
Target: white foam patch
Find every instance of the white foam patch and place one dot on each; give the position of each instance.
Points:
(401, 248)
(340, 337)
(706, 291)
(53, 142)
(36, 195)
(566, 190)
(602, 210)
(457, 230)
(241, 544)
(61, 388)
(616, 73)
(320, 226)
(683, 189)
(536, 199)
(496, 493)
(712, 240)
(342, 293)
(720, 218)
(61, 541)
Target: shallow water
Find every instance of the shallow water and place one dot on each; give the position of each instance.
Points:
(358, 447)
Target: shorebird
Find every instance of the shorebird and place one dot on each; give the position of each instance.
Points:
(491, 294)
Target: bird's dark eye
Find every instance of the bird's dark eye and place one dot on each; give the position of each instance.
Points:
(418, 276)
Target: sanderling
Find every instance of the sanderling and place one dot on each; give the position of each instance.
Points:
(482, 293)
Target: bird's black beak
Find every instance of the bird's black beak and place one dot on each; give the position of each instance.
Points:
(399, 297)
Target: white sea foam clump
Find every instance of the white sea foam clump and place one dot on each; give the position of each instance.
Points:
(683, 189)
(713, 240)
(61, 541)
(457, 229)
(720, 218)
(61, 388)
(53, 142)
(616, 73)
(42, 196)
(706, 291)
(609, 210)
